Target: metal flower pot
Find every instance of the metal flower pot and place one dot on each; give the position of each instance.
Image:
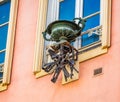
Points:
(64, 30)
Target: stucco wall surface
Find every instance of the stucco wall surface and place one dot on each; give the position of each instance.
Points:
(25, 88)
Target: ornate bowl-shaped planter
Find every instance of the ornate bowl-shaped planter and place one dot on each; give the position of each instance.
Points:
(63, 30)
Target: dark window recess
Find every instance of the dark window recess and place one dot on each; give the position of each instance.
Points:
(97, 71)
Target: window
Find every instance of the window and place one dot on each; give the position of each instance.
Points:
(92, 14)
(95, 38)
(7, 33)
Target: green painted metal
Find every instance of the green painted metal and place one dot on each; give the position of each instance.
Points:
(64, 30)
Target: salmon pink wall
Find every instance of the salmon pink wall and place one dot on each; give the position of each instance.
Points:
(25, 88)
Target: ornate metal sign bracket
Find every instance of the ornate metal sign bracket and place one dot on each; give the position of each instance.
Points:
(62, 32)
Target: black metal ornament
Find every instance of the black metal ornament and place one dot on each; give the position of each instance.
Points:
(63, 32)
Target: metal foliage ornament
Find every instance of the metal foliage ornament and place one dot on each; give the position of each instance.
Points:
(62, 53)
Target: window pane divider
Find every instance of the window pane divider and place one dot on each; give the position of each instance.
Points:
(2, 50)
(3, 1)
(1, 67)
(61, 0)
(91, 15)
(92, 29)
(1, 25)
(1, 79)
(1, 64)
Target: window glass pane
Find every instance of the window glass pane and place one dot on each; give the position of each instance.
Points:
(3, 36)
(90, 6)
(67, 10)
(92, 22)
(4, 12)
(88, 39)
(2, 57)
